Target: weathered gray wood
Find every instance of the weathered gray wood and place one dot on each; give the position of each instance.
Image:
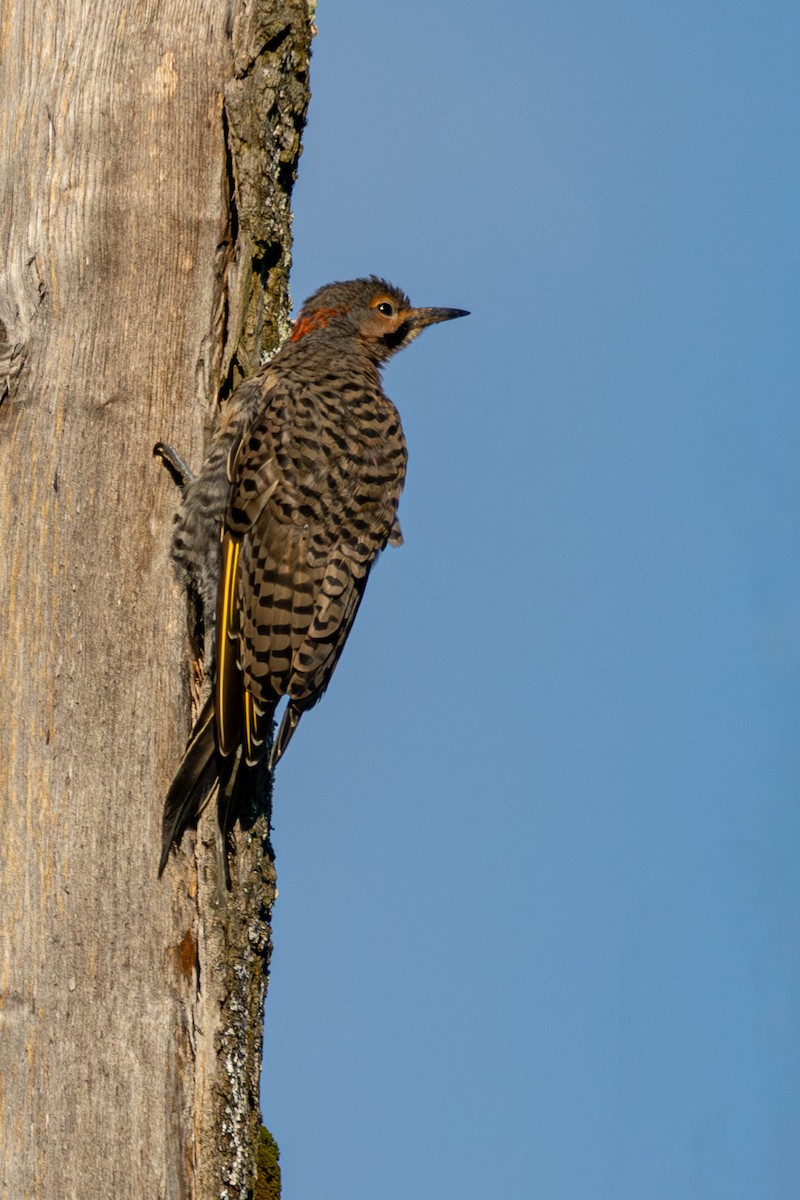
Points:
(131, 284)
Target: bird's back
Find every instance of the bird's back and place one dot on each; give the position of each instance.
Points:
(314, 492)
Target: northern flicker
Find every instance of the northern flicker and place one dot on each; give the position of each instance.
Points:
(279, 529)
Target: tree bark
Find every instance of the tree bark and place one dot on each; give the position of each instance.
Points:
(148, 154)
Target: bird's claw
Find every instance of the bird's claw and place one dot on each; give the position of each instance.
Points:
(177, 466)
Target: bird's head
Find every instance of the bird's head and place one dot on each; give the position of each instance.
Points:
(371, 310)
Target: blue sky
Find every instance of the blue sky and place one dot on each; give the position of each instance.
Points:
(538, 847)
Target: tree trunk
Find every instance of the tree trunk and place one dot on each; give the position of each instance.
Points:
(148, 153)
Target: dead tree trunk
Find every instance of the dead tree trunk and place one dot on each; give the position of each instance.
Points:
(148, 153)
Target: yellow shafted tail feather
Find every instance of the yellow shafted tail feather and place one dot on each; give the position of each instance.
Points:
(228, 687)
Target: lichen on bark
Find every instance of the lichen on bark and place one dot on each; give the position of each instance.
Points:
(265, 110)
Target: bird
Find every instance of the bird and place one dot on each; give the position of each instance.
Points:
(279, 529)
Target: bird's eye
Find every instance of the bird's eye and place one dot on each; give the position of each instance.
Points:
(385, 308)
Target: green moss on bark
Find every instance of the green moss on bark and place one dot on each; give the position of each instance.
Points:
(268, 1171)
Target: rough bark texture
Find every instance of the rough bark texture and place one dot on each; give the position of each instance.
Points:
(146, 159)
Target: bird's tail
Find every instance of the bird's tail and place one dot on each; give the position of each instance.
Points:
(205, 773)
(193, 784)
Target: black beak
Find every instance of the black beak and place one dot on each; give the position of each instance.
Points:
(420, 317)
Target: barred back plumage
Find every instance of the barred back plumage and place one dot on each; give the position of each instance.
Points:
(279, 529)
